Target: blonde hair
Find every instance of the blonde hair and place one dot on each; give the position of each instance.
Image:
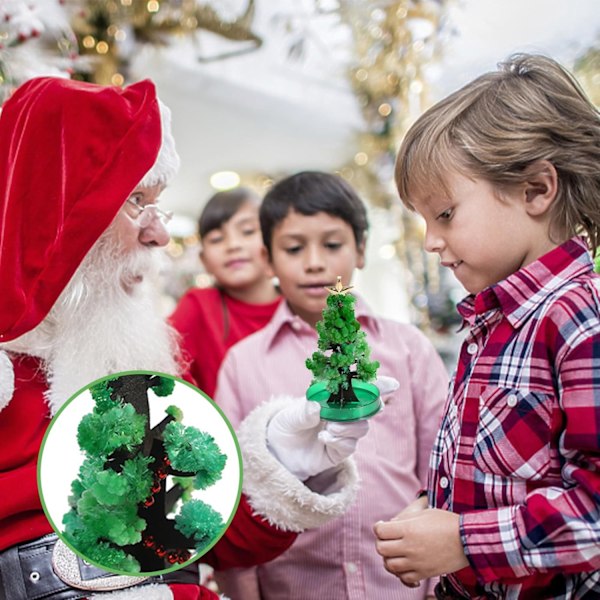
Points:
(498, 125)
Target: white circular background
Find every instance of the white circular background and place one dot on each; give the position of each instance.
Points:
(61, 457)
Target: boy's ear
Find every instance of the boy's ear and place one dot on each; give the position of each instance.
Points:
(541, 188)
(264, 253)
(360, 248)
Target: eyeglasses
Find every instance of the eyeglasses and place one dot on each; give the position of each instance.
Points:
(144, 215)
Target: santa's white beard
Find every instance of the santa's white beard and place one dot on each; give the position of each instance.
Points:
(105, 321)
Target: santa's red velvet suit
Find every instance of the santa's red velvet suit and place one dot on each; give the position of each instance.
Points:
(70, 155)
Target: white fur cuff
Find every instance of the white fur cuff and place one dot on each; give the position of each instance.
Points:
(274, 493)
(7, 380)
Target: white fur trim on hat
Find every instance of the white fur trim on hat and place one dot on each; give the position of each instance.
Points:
(274, 493)
(167, 161)
(7, 379)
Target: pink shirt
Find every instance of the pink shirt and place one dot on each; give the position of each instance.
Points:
(338, 560)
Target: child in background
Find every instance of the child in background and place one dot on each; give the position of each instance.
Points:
(506, 174)
(211, 320)
(314, 227)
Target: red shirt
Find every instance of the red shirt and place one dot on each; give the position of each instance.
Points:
(210, 322)
(22, 426)
(518, 452)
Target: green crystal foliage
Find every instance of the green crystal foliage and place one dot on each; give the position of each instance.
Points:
(192, 450)
(164, 387)
(104, 507)
(343, 350)
(175, 412)
(103, 431)
(187, 485)
(200, 522)
(101, 393)
(104, 502)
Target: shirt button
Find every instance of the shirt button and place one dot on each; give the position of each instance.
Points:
(296, 326)
(444, 483)
(472, 348)
(351, 567)
(512, 401)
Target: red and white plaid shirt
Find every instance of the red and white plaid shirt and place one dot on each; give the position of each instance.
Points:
(518, 451)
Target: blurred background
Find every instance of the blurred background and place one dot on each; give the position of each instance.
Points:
(260, 89)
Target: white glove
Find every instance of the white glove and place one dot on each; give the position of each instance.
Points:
(305, 445)
(386, 385)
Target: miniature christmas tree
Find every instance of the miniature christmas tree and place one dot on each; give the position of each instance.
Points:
(120, 502)
(342, 367)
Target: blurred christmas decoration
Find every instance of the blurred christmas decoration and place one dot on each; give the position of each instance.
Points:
(35, 40)
(587, 71)
(394, 45)
(389, 47)
(394, 42)
(109, 31)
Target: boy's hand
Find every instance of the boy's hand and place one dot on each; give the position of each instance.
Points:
(307, 446)
(419, 544)
(415, 506)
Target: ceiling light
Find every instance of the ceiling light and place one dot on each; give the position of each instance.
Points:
(224, 180)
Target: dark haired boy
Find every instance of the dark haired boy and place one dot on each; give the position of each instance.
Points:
(314, 227)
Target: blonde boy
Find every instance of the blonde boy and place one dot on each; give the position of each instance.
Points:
(505, 174)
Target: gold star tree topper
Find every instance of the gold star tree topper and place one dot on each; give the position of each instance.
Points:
(339, 287)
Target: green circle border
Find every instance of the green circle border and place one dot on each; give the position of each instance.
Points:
(196, 556)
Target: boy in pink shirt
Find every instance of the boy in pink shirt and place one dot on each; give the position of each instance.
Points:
(314, 228)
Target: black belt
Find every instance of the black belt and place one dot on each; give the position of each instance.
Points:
(26, 573)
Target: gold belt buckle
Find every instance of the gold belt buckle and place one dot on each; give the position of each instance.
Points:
(66, 567)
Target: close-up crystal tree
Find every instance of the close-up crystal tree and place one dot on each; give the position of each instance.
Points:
(120, 502)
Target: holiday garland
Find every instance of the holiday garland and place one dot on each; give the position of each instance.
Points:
(119, 501)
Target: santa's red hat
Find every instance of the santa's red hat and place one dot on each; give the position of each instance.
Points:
(70, 155)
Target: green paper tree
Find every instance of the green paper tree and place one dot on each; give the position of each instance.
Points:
(343, 350)
(120, 501)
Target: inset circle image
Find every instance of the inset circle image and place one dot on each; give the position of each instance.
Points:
(139, 473)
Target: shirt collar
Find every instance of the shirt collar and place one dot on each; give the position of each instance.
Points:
(519, 295)
(284, 318)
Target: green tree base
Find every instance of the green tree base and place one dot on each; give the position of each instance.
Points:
(368, 402)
